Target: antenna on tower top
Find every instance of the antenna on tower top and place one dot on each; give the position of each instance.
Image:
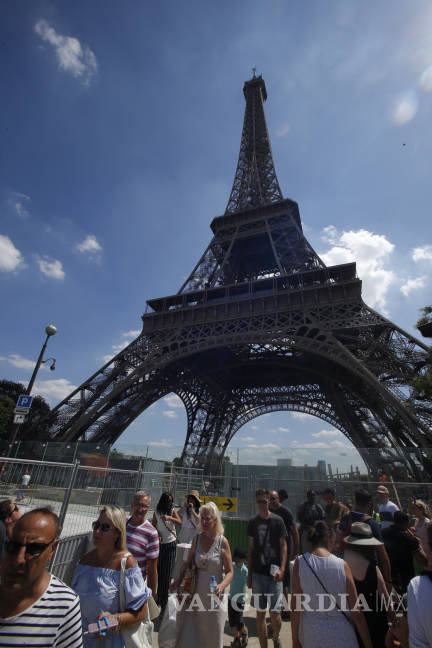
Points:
(254, 72)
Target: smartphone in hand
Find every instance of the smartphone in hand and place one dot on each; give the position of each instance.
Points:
(102, 625)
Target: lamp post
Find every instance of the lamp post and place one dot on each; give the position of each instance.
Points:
(49, 330)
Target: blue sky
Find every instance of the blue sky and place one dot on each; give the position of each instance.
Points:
(120, 131)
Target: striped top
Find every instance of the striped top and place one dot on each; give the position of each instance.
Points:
(52, 620)
(143, 543)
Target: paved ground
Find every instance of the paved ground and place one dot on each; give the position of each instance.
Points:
(253, 638)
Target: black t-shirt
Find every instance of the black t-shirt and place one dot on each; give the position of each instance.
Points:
(2, 538)
(288, 519)
(266, 534)
(309, 513)
(400, 547)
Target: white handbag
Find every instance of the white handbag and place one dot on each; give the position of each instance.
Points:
(139, 635)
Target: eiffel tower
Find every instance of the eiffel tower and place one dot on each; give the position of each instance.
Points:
(260, 325)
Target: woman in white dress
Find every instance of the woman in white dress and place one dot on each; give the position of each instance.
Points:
(189, 515)
(201, 621)
(318, 574)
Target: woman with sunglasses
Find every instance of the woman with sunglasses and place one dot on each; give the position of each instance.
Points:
(97, 580)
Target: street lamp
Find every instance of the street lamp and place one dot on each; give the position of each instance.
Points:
(50, 330)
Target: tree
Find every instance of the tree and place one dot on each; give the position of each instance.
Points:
(422, 384)
(31, 430)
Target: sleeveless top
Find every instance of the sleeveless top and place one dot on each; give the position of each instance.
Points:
(210, 561)
(166, 529)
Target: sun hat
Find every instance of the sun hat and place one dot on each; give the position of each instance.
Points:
(361, 534)
(382, 489)
(194, 493)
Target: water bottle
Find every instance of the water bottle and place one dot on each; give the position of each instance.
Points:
(213, 585)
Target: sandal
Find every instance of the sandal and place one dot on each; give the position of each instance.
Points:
(244, 637)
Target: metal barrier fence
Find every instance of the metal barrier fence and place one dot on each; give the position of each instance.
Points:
(81, 490)
(68, 554)
(77, 492)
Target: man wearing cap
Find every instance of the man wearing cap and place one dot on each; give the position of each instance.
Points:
(387, 509)
(142, 539)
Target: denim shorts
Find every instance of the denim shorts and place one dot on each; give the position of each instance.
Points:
(266, 593)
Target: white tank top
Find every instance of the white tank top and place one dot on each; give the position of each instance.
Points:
(166, 528)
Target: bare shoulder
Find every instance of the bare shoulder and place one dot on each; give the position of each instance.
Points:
(88, 558)
(225, 543)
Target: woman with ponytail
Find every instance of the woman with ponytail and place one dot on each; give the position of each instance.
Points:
(323, 613)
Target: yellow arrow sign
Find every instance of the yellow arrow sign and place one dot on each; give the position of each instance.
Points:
(223, 503)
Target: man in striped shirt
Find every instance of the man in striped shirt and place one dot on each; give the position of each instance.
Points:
(36, 608)
(142, 539)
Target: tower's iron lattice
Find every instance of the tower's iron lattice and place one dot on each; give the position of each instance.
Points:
(262, 324)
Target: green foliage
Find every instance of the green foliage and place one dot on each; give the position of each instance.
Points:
(32, 429)
(422, 384)
(426, 316)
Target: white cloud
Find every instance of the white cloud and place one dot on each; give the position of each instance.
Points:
(131, 334)
(320, 445)
(254, 427)
(121, 346)
(404, 108)
(423, 253)
(283, 429)
(20, 204)
(247, 438)
(170, 414)
(10, 257)
(300, 416)
(173, 401)
(89, 245)
(20, 362)
(163, 443)
(72, 57)
(413, 284)
(53, 269)
(284, 130)
(53, 390)
(262, 446)
(328, 434)
(371, 253)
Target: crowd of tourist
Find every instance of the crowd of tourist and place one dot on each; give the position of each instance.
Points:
(350, 572)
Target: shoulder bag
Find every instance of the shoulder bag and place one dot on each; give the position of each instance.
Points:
(139, 635)
(348, 618)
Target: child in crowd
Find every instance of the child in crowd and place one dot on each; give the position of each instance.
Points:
(236, 599)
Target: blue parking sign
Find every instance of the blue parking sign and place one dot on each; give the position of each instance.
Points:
(24, 401)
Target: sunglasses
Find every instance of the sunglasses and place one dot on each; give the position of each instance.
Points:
(103, 526)
(31, 549)
(262, 501)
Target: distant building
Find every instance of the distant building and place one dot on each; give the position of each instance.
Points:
(241, 481)
(284, 462)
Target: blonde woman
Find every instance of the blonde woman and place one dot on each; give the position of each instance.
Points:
(203, 624)
(97, 580)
